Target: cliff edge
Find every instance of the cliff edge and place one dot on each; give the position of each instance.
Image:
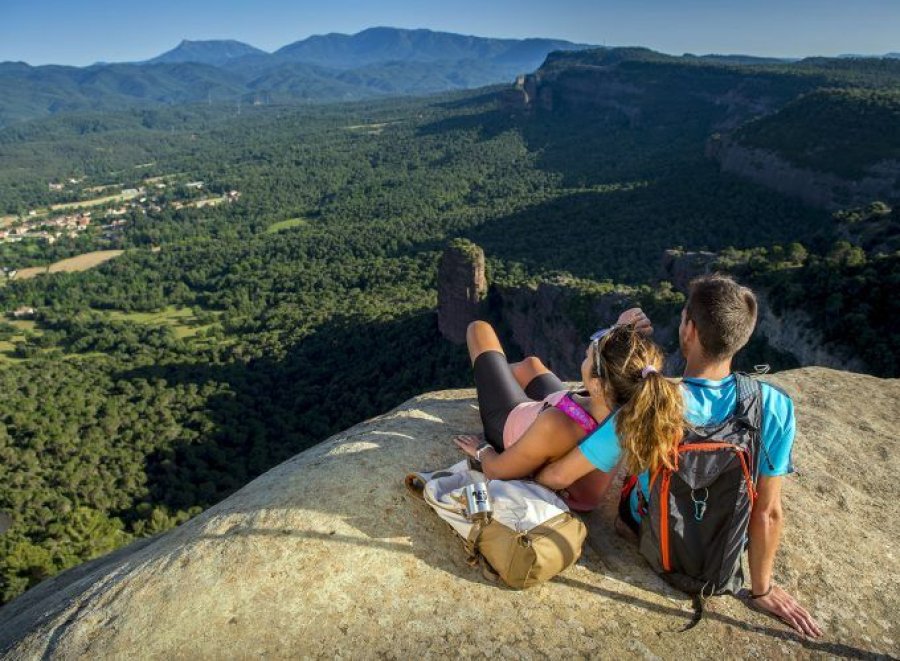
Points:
(326, 555)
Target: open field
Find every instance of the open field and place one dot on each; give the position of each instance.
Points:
(24, 325)
(208, 202)
(30, 272)
(100, 189)
(79, 263)
(121, 197)
(84, 262)
(7, 220)
(163, 178)
(286, 224)
(372, 129)
(6, 353)
(183, 321)
(7, 347)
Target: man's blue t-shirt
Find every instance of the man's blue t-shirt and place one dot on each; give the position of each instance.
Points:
(709, 402)
(602, 447)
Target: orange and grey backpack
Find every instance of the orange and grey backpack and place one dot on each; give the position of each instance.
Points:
(694, 529)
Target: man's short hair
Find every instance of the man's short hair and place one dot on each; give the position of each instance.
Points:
(724, 313)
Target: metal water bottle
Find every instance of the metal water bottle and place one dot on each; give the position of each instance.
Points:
(478, 499)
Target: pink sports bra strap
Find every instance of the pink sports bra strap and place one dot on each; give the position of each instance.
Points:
(568, 406)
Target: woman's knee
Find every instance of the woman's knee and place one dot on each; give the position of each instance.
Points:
(480, 337)
(528, 368)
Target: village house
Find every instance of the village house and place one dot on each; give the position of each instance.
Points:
(23, 312)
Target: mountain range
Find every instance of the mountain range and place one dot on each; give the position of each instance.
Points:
(375, 62)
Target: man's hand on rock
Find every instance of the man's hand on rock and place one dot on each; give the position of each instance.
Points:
(637, 317)
(783, 606)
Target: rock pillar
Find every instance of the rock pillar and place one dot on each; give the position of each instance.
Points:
(462, 287)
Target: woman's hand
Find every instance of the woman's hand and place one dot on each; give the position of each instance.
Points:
(637, 317)
(468, 443)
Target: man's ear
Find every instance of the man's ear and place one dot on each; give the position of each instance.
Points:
(691, 337)
(690, 329)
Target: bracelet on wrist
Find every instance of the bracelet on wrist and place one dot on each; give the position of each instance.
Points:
(481, 449)
(762, 594)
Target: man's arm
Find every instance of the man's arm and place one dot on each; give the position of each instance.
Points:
(562, 473)
(766, 523)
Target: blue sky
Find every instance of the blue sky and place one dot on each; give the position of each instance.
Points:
(81, 32)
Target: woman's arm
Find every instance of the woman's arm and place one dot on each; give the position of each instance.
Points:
(551, 436)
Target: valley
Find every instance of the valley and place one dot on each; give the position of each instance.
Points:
(230, 335)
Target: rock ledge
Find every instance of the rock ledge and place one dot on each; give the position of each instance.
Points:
(326, 555)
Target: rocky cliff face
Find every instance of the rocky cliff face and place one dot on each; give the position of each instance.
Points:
(326, 555)
(792, 332)
(462, 287)
(544, 321)
(680, 267)
(819, 189)
(540, 324)
(648, 93)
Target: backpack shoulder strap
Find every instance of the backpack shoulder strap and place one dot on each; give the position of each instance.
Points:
(748, 400)
(749, 410)
(584, 419)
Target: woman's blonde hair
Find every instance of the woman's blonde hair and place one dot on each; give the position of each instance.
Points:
(650, 417)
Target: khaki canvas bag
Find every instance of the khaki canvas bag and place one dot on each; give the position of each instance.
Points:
(531, 537)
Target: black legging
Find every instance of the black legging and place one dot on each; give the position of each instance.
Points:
(499, 393)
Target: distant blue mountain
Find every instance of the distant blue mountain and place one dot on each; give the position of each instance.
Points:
(857, 56)
(215, 53)
(374, 62)
(382, 44)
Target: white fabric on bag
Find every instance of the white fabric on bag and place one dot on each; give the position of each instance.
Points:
(518, 504)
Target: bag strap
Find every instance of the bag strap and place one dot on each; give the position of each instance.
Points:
(471, 544)
(577, 413)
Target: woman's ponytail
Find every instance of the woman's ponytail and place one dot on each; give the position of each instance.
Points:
(650, 417)
(650, 424)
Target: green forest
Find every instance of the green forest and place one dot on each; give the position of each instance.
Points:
(228, 337)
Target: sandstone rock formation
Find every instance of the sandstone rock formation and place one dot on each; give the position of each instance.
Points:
(540, 321)
(680, 267)
(327, 556)
(819, 189)
(793, 332)
(462, 287)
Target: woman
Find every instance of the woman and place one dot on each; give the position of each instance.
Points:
(571, 441)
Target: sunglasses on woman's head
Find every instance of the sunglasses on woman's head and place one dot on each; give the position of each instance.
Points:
(600, 334)
(595, 344)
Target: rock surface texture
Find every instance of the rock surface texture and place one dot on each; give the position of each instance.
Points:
(327, 556)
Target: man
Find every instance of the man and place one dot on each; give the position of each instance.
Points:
(716, 323)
